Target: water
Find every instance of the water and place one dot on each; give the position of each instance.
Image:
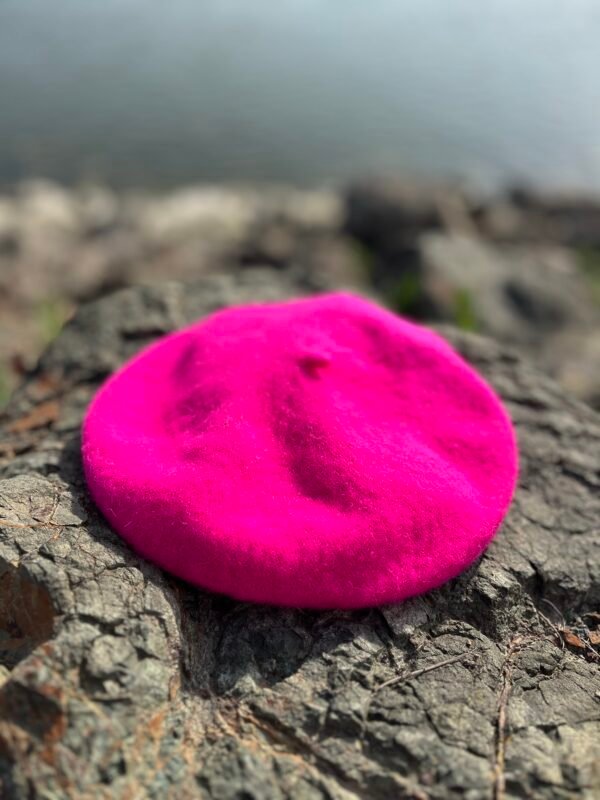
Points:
(310, 91)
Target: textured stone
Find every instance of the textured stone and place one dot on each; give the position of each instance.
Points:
(119, 681)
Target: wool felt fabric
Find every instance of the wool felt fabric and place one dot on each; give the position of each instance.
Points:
(319, 453)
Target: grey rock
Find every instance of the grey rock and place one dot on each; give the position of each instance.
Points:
(534, 297)
(568, 219)
(120, 681)
(389, 214)
(519, 294)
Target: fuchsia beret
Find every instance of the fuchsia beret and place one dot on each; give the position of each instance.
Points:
(319, 453)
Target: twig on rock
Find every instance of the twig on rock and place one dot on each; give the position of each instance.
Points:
(514, 646)
(407, 677)
(418, 672)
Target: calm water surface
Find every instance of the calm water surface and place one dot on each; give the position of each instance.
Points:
(141, 91)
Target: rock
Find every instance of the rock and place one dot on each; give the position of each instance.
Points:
(573, 358)
(99, 209)
(534, 297)
(389, 214)
(216, 212)
(333, 262)
(121, 681)
(271, 242)
(500, 220)
(523, 215)
(316, 258)
(225, 214)
(568, 219)
(9, 224)
(47, 205)
(519, 294)
(313, 209)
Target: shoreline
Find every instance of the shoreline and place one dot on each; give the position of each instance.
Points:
(520, 266)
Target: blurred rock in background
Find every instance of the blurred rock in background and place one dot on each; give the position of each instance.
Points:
(521, 267)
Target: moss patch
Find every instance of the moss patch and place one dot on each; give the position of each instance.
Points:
(406, 294)
(50, 315)
(464, 311)
(588, 259)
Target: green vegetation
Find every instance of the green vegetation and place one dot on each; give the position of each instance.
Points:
(4, 386)
(48, 318)
(405, 295)
(589, 263)
(50, 315)
(364, 258)
(464, 311)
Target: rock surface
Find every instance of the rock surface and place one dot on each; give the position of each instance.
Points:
(120, 681)
(532, 297)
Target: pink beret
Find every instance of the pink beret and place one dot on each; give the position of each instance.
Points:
(319, 453)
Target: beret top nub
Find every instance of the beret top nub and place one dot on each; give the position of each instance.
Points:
(321, 452)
